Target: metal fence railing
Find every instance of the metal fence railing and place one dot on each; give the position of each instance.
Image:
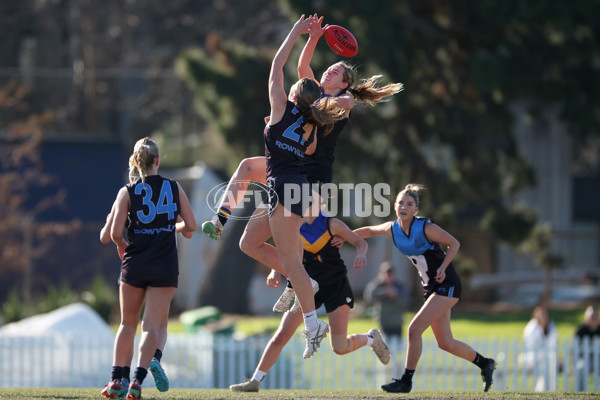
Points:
(217, 361)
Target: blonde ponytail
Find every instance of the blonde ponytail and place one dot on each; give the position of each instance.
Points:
(145, 152)
(366, 91)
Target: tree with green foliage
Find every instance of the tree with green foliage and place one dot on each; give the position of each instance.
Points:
(469, 68)
(539, 244)
(465, 67)
(230, 91)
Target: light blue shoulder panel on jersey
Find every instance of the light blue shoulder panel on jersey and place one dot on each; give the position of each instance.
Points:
(414, 244)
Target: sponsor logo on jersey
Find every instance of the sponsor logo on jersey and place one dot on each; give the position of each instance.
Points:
(154, 231)
(285, 146)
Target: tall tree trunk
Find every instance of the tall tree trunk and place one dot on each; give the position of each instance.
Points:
(547, 290)
(28, 254)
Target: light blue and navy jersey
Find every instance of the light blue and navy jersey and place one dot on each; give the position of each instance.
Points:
(152, 217)
(426, 256)
(286, 142)
(322, 261)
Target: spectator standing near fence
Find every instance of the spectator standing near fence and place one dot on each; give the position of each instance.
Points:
(386, 295)
(540, 339)
(590, 329)
(591, 325)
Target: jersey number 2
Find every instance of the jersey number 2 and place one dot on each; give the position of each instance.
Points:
(295, 131)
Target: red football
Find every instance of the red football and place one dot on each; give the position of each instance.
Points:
(341, 41)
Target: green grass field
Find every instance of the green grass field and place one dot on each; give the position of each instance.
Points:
(222, 394)
(464, 324)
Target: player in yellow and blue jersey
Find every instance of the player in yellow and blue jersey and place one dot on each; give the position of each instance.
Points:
(324, 264)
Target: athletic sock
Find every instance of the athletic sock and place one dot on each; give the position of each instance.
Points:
(480, 360)
(369, 339)
(158, 354)
(140, 374)
(408, 374)
(126, 372)
(258, 375)
(116, 373)
(223, 214)
(310, 320)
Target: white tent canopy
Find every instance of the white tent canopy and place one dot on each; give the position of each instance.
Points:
(77, 319)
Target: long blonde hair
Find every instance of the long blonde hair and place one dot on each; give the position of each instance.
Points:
(314, 110)
(145, 152)
(366, 91)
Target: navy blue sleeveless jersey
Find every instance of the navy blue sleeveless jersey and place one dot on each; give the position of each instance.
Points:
(285, 143)
(319, 165)
(426, 256)
(322, 261)
(151, 232)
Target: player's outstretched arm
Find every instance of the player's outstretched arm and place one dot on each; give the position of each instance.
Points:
(345, 101)
(384, 229)
(315, 32)
(338, 228)
(277, 94)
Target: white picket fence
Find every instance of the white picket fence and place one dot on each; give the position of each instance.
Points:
(207, 361)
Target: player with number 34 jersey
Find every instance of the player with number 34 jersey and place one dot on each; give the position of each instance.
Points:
(151, 255)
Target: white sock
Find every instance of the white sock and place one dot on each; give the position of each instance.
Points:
(258, 375)
(310, 320)
(369, 340)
